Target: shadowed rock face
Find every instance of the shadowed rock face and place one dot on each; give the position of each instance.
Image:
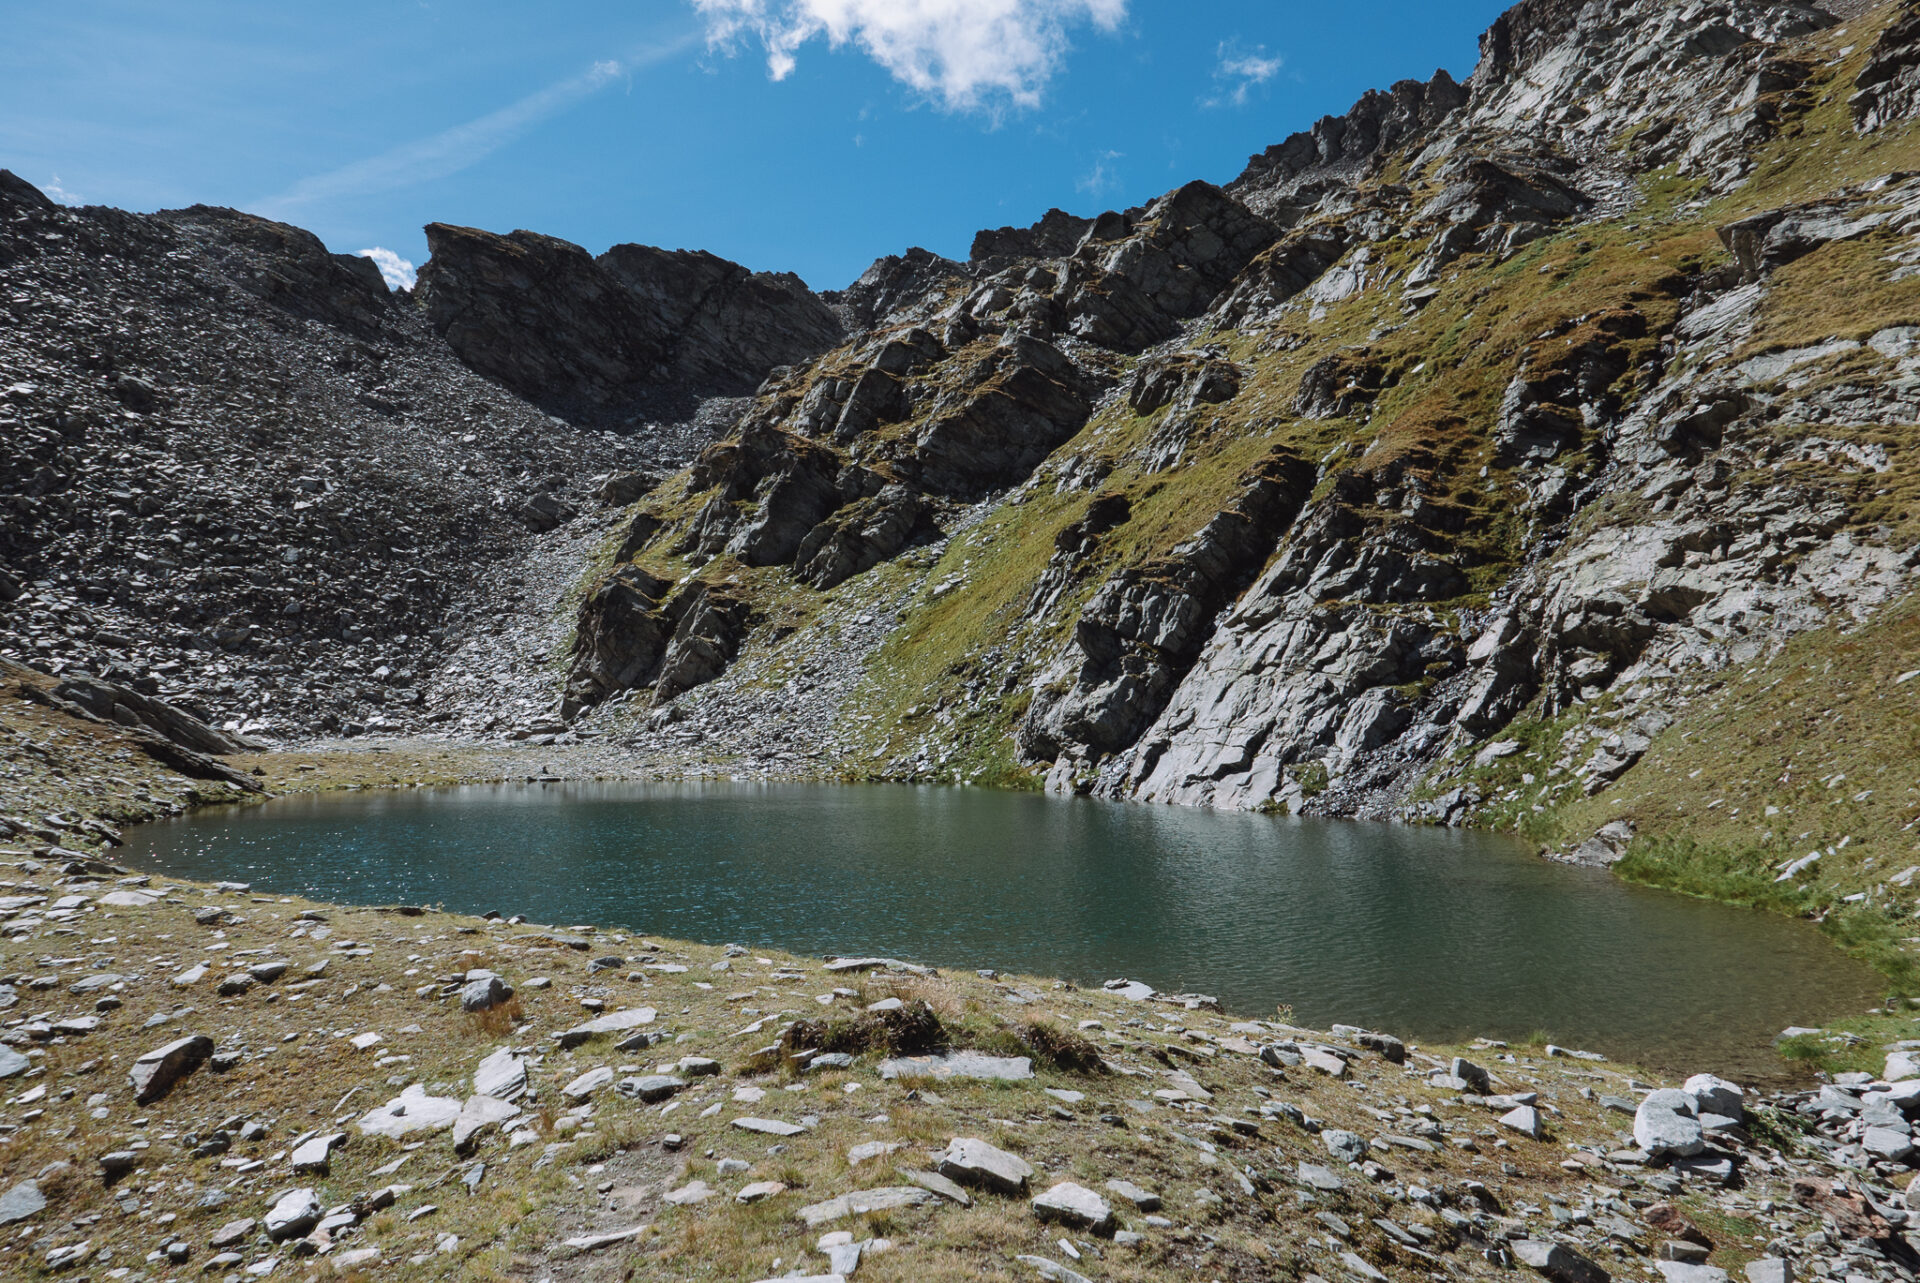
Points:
(596, 337)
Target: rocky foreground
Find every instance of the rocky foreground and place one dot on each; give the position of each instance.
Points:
(203, 1080)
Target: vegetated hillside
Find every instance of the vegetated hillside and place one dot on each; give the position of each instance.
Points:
(1467, 459)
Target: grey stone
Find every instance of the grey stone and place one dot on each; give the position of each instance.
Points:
(477, 1114)
(484, 994)
(155, 1073)
(583, 1087)
(1144, 1199)
(1052, 1271)
(613, 1023)
(1321, 1178)
(12, 1063)
(411, 1111)
(768, 1126)
(1664, 1124)
(502, 1075)
(315, 1155)
(971, 1161)
(1557, 1261)
(1472, 1075)
(232, 1232)
(293, 1214)
(1713, 1095)
(20, 1202)
(938, 1184)
(1348, 1147)
(860, 1202)
(1770, 1269)
(650, 1088)
(1687, 1272)
(1524, 1119)
(1075, 1206)
(959, 1064)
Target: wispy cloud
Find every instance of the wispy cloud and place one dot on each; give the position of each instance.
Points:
(453, 150)
(966, 54)
(55, 192)
(1103, 178)
(396, 271)
(1239, 73)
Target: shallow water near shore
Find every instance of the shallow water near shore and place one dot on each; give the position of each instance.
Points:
(1432, 933)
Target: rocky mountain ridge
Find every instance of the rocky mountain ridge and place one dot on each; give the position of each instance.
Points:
(1462, 452)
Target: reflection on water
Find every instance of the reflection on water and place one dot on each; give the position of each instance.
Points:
(1423, 932)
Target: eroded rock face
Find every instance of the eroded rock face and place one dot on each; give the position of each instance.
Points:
(1888, 87)
(595, 336)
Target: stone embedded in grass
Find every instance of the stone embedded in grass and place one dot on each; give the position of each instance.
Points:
(476, 1115)
(484, 991)
(232, 1232)
(1687, 1272)
(1476, 1078)
(1348, 1147)
(411, 1111)
(938, 1184)
(501, 1074)
(690, 1193)
(1314, 1176)
(959, 1064)
(1144, 1199)
(758, 1190)
(871, 1149)
(155, 1073)
(601, 1026)
(1052, 1271)
(698, 1066)
(583, 1087)
(316, 1153)
(768, 1126)
(859, 1203)
(235, 985)
(1075, 1206)
(1524, 1119)
(20, 1202)
(594, 1242)
(972, 1161)
(12, 1063)
(1561, 1263)
(650, 1088)
(191, 976)
(293, 1214)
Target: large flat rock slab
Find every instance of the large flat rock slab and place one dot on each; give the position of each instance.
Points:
(959, 1064)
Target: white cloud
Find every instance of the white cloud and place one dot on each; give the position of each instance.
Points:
(1240, 73)
(60, 195)
(1103, 177)
(453, 150)
(966, 53)
(396, 271)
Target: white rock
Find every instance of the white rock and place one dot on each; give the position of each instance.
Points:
(1713, 1095)
(583, 1087)
(502, 1075)
(293, 1214)
(1665, 1124)
(411, 1111)
(972, 1161)
(1075, 1206)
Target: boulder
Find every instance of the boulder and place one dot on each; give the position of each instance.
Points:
(1076, 1207)
(1713, 1095)
(1557, 1261)
(293, 1214)
(974, 1162)
(156, 1072)
(1666, 1125)
(616, 1022)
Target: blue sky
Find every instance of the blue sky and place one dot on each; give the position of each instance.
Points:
(801, 135)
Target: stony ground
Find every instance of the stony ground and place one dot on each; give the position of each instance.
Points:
(332, 1120)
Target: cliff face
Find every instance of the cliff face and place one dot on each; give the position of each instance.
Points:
(1463, 452)
(1436, 467)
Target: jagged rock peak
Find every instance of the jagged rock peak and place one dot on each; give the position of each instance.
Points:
(596, 336)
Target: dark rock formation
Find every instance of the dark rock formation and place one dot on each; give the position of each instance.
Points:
(598, 337)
